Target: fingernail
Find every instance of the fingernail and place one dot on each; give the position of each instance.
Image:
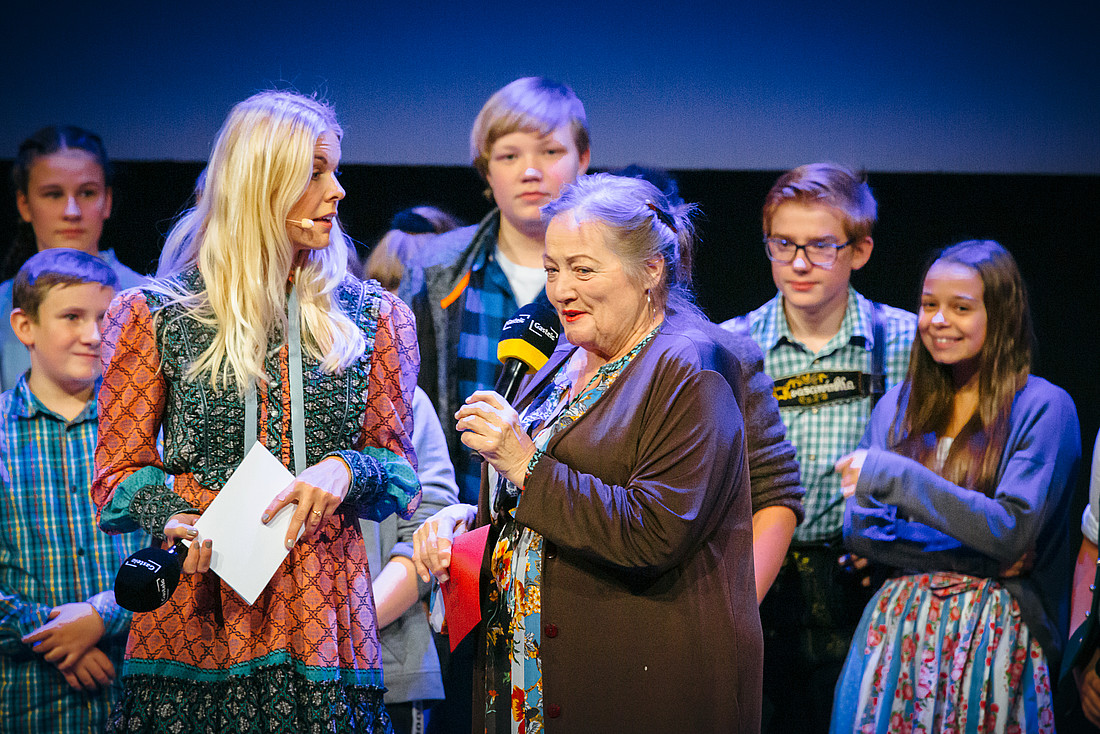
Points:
(208, 543)
(289, 543)
(264, 518)
(192, 533)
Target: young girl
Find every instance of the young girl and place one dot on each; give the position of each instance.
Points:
(964, 486)
(63, 193)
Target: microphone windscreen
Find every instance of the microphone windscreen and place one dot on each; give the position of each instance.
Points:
(147, 579)
(530, 336)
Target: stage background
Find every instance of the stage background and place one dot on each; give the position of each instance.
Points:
(975, 119)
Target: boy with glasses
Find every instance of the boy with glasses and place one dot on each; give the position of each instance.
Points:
(831, 353)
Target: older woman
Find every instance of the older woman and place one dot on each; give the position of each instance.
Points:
(252, 332)
(622, 594)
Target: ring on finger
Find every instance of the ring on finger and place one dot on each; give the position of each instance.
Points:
(317, 513)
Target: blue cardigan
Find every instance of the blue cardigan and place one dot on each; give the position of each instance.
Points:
(905, 515)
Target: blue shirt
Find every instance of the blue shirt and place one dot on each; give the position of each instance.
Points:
(52, 553)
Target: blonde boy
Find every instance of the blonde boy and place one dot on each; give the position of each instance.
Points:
(61, 632)
(529, 140)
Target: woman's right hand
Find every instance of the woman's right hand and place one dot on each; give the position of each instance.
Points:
(181, 526)
(432, 540)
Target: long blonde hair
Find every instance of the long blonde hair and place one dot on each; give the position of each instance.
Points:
(236, 236)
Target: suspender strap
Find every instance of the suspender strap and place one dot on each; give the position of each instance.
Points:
(297, 402)
(878, 354)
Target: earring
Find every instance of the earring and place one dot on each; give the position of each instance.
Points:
(652, 307)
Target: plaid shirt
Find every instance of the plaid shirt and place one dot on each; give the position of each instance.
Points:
(52, 553)
(489, 303)
(822, 434)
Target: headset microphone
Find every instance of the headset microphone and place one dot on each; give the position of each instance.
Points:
(303, 222)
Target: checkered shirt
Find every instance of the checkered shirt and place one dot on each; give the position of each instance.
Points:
(52, 553)
(822, 434)
(489, 303)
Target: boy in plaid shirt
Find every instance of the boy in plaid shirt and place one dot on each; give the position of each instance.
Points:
(819, 341)
(529, 140)
(61, 633)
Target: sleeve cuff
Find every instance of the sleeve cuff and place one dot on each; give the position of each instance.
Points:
(368, 477)
(382, 483)
(116, 620)
(153, 505)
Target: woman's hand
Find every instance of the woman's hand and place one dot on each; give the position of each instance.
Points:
(317, 491)
(491, 427)
(432, 540)
(849, 468)
(181, 526)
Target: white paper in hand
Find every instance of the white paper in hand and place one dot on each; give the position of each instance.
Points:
(246, 552)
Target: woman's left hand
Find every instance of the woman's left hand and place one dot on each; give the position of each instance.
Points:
(317, 491)
(491, 427)
(849, 468)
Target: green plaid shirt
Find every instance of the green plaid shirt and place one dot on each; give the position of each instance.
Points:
(822, 434)
(52, 553)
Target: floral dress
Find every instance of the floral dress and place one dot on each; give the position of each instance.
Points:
(943, 652)
(513, 681)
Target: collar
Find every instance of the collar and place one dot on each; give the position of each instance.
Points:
(484, 243)
(25, 404)
(855, 328)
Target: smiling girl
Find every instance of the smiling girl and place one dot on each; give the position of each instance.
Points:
(963, 484)
(63, 190)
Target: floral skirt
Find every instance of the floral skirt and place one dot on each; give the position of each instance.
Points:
(943, 652)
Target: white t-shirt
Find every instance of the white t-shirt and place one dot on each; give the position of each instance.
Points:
(526, 283)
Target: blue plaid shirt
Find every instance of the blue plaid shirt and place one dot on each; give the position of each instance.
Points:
(52, 553)
(824, 433)
(489, 303)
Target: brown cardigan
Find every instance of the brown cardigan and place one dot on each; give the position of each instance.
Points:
(649, 612)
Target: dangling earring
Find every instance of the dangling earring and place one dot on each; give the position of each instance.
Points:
(652, 308)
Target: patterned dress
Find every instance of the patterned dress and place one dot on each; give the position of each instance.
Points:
(513, 621)
(304, 657)
(943, 652)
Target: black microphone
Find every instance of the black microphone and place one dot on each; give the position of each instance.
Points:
(526, 343)
(147, 579)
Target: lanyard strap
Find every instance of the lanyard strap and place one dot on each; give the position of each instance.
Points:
(297, 401)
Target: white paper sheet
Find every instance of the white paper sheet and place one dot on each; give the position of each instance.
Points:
(246, 552)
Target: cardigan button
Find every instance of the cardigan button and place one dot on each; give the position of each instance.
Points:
(551, 630)
(551, 550)
(553, 710)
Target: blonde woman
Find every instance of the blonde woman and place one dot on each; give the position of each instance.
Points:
(254, 331)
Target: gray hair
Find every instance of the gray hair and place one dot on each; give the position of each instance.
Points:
(640, 224)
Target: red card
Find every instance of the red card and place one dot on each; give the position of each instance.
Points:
(461, 592)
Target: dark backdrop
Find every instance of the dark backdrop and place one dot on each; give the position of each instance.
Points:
(1050, 223)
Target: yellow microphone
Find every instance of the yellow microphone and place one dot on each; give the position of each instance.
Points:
(526, 343)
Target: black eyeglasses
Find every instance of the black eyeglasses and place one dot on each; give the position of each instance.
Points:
(821, 253)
